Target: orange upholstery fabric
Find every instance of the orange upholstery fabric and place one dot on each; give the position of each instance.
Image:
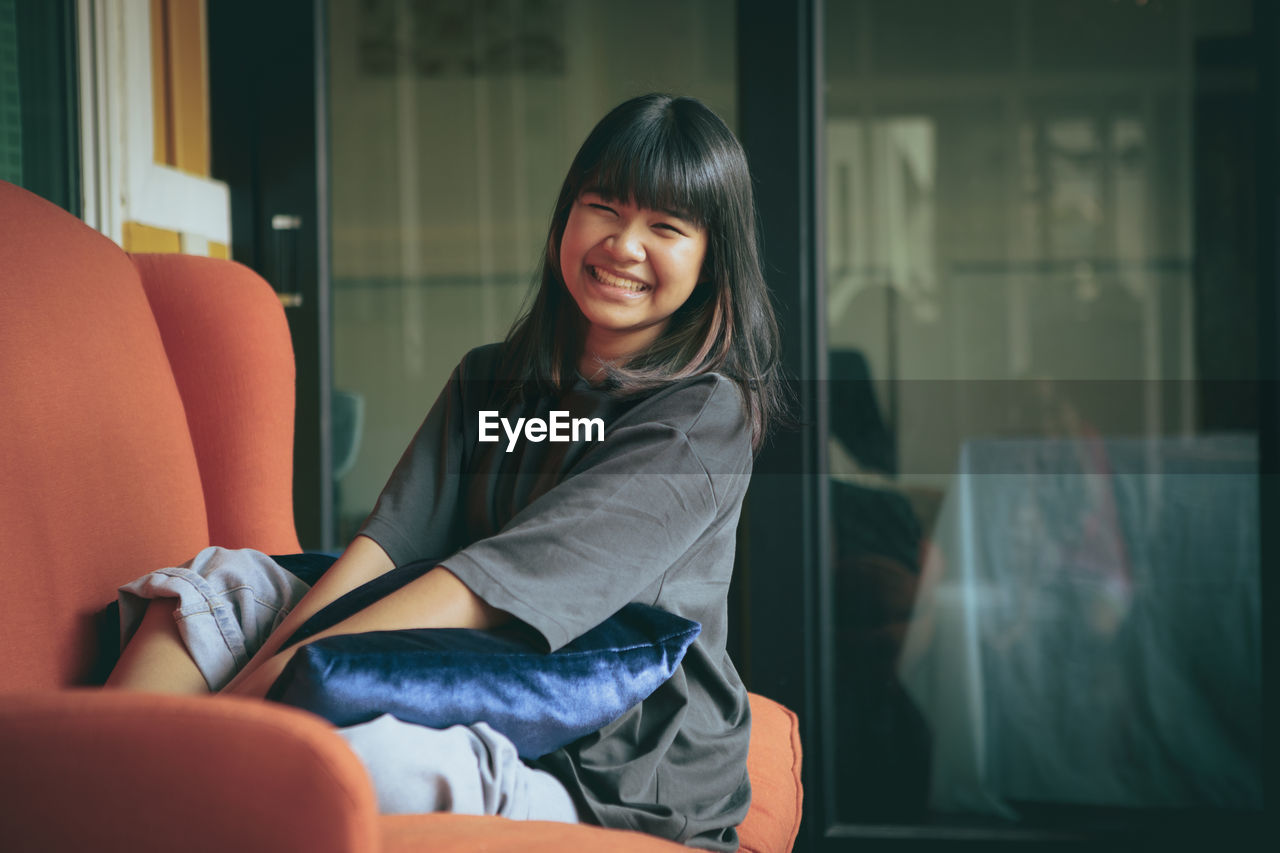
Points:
(250, 777)
(98, 476)
(228, 343)
(465, 834)
(773, 763)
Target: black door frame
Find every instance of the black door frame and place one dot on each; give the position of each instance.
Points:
(779, 119)
(1266, 17)
(271, 147)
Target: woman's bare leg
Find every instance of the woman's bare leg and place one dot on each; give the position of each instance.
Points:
(156, 659)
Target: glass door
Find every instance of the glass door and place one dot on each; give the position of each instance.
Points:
(452, 125)
(1042, 592)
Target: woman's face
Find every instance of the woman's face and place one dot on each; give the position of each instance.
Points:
(628, 268)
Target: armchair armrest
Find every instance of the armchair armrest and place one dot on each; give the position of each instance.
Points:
(777, 795)
(105, 770)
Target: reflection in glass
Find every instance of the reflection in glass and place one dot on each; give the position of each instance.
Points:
(1091, 636)
(1043, 584)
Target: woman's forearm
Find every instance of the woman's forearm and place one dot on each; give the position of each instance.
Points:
(435, 600)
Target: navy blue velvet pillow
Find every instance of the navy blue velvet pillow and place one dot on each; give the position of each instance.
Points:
(442, 677)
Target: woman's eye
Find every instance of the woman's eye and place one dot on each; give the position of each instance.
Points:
(603, 207)
(667, 226)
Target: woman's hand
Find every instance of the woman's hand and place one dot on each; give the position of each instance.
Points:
(363, 561)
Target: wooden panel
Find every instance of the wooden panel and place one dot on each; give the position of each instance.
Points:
(179, 85)
(219, 250)
(161, 102)
(148, 238)
(189, 82)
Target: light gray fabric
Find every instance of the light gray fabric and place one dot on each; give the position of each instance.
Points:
(416, 769)
(229, 602)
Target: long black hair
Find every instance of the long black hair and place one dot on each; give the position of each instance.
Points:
(665, 153)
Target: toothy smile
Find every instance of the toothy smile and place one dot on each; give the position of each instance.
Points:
(627, 284)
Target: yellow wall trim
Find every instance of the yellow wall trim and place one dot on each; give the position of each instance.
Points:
(148, 238)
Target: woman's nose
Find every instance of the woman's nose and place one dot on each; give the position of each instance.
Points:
(626, 244)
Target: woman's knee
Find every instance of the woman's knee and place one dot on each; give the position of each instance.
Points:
(156, 659)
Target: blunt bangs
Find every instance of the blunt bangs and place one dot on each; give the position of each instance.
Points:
(662, 159)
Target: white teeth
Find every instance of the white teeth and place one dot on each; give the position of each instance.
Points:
(616, 281)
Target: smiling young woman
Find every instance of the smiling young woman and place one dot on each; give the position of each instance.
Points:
(651, 285)
(628, 268)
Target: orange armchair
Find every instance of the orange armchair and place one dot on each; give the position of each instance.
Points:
(146, 413)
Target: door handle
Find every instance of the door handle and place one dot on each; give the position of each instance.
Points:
(284, 258)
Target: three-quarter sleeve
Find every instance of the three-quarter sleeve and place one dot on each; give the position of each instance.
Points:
(643, 500)
(418, 513)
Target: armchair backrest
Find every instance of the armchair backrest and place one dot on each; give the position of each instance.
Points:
(228, 344)
(101, 477)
